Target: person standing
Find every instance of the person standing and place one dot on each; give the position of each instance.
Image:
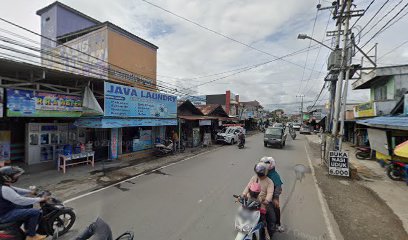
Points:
(175, 139)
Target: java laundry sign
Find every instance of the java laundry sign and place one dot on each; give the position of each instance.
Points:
(124, 101)
(28, 103)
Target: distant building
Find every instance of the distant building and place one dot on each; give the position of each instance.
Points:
(229, 101)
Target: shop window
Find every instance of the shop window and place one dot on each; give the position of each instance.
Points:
(136, 139)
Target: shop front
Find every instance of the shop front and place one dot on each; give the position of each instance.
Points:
(39, 125)
(134, 119)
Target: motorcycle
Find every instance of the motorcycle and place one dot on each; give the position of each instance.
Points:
(247, 220)
(99, 229)
(363, 153)
(162, 149)
(397, 171)
(55, 218)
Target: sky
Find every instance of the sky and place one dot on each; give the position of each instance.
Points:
(188, 54)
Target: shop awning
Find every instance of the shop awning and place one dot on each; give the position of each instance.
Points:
(192, 118)
(387, 122)
(402, 150)
(123, 122)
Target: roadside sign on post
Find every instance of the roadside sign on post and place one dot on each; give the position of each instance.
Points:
(339, 163)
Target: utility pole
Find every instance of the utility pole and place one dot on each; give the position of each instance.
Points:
(344, 63)
(301, 107)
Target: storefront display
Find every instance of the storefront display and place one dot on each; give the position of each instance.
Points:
(28, 103)
(46, 140)
(144, 142)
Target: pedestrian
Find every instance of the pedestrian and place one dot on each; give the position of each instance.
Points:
(277, 182)
(175, 139)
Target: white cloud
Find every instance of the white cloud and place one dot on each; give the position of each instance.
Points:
(186, 51)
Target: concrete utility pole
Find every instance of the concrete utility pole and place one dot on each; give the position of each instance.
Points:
(343, 66)
(301, 107)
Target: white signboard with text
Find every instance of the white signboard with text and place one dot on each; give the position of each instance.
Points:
(339, 163)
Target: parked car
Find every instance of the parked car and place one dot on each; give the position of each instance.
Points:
(275, 136)
(229, 135)
(296, 126)
(305, 129)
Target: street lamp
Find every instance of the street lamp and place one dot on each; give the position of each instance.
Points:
(305, 36)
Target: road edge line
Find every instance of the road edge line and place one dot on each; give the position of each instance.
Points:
(134, 177)
(322, 201)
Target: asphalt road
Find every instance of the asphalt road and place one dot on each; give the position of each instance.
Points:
(193, 199)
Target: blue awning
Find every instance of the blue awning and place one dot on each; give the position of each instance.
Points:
(388, 122)
(123, 122)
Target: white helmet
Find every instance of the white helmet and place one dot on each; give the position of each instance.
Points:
(269, 161)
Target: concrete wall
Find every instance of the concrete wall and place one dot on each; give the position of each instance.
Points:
(95, 47)
(131, 55)
(68, 21)
(401, 85)
(49, 27)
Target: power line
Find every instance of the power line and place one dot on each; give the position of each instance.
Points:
(405, 14)
(220, 34)
(318, 53)
(375, 15)
(392, 50)
(382, 18)
(368, 7)
(307, 54)
(385, 25)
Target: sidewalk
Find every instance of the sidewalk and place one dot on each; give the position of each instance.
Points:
(373, 176)
(81, 179)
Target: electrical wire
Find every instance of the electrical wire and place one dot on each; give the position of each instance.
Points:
(318, 53)
(385, 25)
(375, 15)
(368, 7)
(220, 34)
(381, 19)
(307, 54)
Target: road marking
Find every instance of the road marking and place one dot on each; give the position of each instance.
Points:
(321, 199)
(134, 177)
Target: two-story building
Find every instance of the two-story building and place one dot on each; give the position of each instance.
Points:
(384, 116)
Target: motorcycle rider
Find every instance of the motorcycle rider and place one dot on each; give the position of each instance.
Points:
(277, 182)
(15, 206)
(265, 196)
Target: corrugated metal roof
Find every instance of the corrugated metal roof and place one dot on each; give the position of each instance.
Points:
(207, 109)
(388, 122)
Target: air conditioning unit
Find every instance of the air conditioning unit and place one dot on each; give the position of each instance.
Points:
(334, 61)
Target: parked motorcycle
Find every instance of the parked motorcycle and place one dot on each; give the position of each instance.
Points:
(100, 230)
(247, 220)
(55, 218)
(363, 153)
(397, 171)
(165, 148)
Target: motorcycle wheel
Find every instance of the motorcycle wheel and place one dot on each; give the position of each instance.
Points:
(395, 172)
(362, 155)
(61, 222)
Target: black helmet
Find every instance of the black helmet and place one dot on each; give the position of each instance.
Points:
(10, 174)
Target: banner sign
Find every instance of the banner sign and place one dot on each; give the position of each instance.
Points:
(124, 101)
(365, 110)
(339, 163)
(144, 142)
(28, 103)
(1, 101)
